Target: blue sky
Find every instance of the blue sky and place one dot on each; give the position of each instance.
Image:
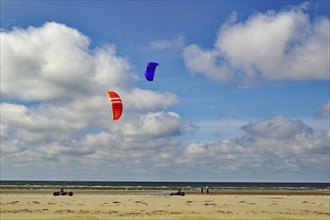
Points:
(241, 93)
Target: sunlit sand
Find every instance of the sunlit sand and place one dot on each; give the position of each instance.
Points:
(104, 204)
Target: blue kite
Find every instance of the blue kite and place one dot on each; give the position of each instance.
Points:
(150, 70)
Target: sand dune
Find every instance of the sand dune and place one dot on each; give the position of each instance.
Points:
(90, 204)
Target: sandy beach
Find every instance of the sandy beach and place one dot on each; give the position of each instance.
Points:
(104, 204)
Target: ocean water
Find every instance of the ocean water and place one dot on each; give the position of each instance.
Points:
(165, 186)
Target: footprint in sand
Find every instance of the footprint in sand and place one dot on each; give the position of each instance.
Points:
(140, 202)
(226, 212)
(13, 202)
(209, 203)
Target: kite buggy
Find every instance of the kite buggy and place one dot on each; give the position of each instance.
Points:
(178, 193)
(62, 193)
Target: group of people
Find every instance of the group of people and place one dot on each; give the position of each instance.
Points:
(207, 191)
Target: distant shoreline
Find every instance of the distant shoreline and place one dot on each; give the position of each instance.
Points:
(162, 188)
(161, 192)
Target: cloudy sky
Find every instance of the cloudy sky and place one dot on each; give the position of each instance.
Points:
(241, 93)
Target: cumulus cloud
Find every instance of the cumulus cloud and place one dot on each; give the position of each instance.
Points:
(273, 144)
(284, 45)
(67, 131)
(32, 125)
(278, 127)
(54, 109)
(147, 100)
(207, 62)
(54, 62)
(153, 125)
(325, 109)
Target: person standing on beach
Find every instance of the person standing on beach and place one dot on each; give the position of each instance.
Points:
(207, 190)
(202, 190)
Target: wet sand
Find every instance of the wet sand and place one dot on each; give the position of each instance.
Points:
(105, 204)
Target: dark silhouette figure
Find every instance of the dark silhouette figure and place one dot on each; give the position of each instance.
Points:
(178, 193)
(62, 193)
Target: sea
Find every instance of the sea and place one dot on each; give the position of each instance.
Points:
(166, 186)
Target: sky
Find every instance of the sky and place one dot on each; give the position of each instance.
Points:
(241, 93)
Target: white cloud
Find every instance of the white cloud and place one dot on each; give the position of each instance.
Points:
(283, 45)
(175, 44)
(53, 62)
(54, 111)
(303, 148)
(146, 100)
(31, 125)
(325, 109)
(53, 66)
(279, 127)
(207, 62)
(145, 145)
(67, 132)
(153, 125)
